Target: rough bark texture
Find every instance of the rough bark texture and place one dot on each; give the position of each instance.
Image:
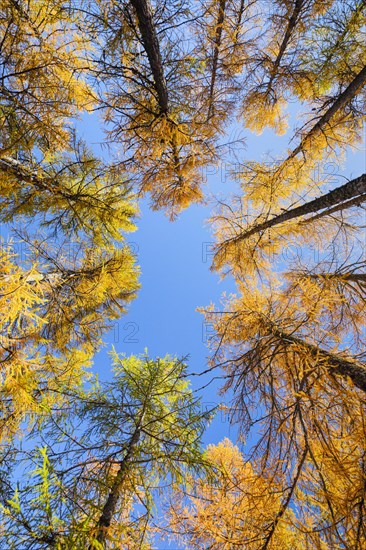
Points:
(357, 201)
(151, 44)
(354, 189)
(335, 363)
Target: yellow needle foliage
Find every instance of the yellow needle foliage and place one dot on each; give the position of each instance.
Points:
(52, 319)
(293, 358)
(42, 87)
(233, 508)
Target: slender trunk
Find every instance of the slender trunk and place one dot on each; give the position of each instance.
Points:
(357, 201)
(22, 173)
(292, 22)
(109, 508)
(345, 97)
(334, 363)
(151, 44)
(239, 20)
(339, 196)
(215, 57)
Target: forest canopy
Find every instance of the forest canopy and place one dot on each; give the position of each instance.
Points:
(122, 463)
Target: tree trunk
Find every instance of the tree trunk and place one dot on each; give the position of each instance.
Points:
(357, 201)
(215, 57)
(22, 173)
(352, 277)
(289, 30)
(150, 42)
(340, 196)
(345, 97)
(334, 363)
(109, 509)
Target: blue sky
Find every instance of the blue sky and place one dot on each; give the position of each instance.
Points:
(175, 260)
(175, 279)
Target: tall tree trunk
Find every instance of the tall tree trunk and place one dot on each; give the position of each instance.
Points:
(334, 363)
(151, 44)
(215, 57)
(345, 97)
(357, 201)
(287, 501)
(352, 277)
(291, 25)
(109, 508)
(339, 196)
(11, 166)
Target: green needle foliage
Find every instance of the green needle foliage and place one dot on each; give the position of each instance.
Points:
(102, 460)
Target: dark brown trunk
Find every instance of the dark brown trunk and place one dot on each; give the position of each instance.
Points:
(345, 97)
(353, 277)
(215, 57)
(287, 501)
(339, 196)
(357, 201)
(151, 44)
(334, 363)
(289, 30)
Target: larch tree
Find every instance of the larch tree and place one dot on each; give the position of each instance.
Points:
(64, 206)
(245, 244)
(54, 312)
(102, 458)
(303, 54)
(41, 83)
(144, 68)
(294, 360)
(169, 78)
(234, 507)
(225, 39)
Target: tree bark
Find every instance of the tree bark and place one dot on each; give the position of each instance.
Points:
(289, 31)
(215, 57)
(352, 277)
(22, 173)
(345, 97)
(109, 508)
(340, 197)
(334, 363)
(151, 44)
(357, 201)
